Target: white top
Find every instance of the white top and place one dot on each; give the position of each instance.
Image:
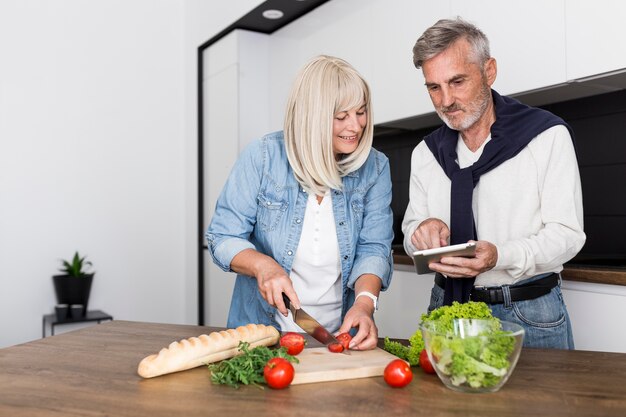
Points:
(316, 268)
(530, 206)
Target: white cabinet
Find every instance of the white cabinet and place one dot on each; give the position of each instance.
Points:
(596, 311)
(527, 40)
(398, 89)
(338, 28)
(596, 32)
(235, 111)
(376, 37)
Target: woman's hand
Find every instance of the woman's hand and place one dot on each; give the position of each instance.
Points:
(272, 280)
(360, 316)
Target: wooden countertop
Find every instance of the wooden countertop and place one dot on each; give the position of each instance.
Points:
(613, 276)
(92, 372)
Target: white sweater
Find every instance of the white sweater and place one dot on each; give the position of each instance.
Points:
(530, 206)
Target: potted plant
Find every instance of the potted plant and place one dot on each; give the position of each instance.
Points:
(74, 285)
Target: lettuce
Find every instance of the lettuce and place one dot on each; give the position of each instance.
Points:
(465, 360)
(479, 361)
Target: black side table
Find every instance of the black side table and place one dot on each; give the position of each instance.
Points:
(51, 319)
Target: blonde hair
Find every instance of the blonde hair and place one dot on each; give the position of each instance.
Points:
(325, 86)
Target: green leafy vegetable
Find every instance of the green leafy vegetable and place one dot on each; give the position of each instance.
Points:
(396, 348)
(246, 368)
(469, 310)
(480, 360)
(411, 353)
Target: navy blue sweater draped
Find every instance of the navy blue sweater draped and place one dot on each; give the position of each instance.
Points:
(515, 126)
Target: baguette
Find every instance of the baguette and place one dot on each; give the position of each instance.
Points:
(196, 351)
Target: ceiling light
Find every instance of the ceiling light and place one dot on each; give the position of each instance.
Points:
(273, 14)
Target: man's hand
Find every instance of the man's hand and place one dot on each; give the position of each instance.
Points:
(461, 267)
(431, 233)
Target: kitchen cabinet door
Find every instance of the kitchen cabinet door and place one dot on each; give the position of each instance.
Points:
(235, 93)
(527, 40)
(398, 89)
(221, 147)
(595, 37)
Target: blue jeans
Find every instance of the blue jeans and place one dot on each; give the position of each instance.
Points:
(545, 319)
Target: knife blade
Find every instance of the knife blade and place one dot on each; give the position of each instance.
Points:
(311, 326)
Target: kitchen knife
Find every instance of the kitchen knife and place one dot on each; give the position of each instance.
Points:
(310, 325)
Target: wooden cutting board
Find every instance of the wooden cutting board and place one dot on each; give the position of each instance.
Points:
(320, 365)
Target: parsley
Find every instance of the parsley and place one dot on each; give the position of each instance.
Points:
(247, 367)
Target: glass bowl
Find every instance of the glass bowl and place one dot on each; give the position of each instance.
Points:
(473, 355)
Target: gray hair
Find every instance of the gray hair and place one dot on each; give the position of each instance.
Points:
(443, 34)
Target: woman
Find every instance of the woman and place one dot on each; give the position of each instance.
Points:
(306, 212)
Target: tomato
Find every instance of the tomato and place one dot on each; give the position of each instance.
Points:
(344, 339)
(398, 373)
(335, 347)
(278, 373)
(294, 342)
(425, 363)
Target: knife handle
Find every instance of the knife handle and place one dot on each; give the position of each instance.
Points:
(286, 301)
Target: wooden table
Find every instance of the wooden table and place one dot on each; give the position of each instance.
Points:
(92, 372)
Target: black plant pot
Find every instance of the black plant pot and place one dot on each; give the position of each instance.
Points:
(73, 290)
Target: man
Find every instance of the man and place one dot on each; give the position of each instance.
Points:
(501, 174)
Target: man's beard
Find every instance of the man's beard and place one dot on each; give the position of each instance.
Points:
(472, 113)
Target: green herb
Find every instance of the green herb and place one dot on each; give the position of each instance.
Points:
(246, 368)
(411, 353)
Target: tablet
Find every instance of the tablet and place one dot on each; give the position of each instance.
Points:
(422, 258)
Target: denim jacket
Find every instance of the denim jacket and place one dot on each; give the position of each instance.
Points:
(262, 207)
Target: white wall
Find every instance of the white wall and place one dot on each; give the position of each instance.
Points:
(97, 153)
(91, 157)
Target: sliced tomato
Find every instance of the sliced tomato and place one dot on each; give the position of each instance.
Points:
(344, 339)
(425, 363)
(294, 342)
(335, 347)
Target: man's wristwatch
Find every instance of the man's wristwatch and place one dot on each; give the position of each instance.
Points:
(369, 295)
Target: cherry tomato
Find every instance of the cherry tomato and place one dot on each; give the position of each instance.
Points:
(344, 339)
(398, 373)
(294, 342)
(278, 373)
(425, 363)
(335, 347)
